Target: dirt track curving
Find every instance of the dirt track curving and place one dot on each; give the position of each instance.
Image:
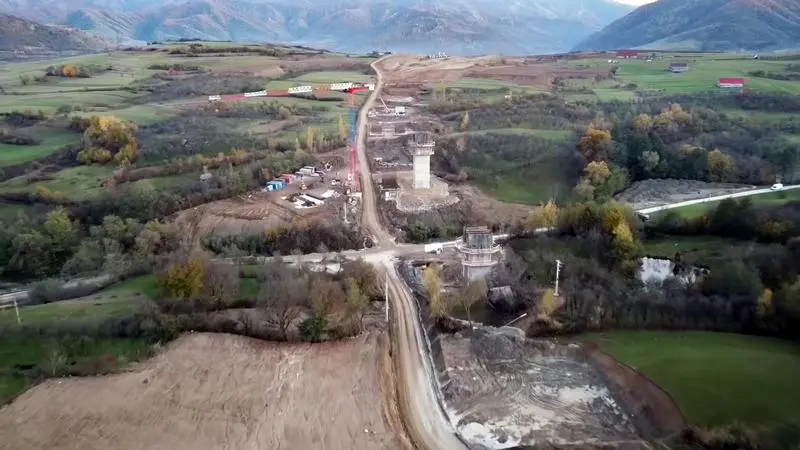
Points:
(214, 391)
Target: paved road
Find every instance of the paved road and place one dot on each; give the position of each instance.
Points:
(716, 198)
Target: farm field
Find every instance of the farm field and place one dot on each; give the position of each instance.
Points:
(715, 378)
(547, 134)
(76, 183)
(704, 72)
(256, 393)
(53, 139)
(135, 86)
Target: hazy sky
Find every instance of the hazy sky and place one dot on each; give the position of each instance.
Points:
(635, 2)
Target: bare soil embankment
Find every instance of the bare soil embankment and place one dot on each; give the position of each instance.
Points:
(215, 391)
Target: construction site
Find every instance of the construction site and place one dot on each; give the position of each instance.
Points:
(327, 194)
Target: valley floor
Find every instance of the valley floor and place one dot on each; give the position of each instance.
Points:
(222, 392)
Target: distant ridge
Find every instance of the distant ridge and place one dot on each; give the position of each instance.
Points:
(21, 38)
(708, 25)
(420, 26)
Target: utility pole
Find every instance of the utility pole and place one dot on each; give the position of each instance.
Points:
(16, 309)
(558, 272)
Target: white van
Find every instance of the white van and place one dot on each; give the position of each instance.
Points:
(777, 186)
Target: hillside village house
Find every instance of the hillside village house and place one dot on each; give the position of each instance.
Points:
(678, 67)
(627, 54)
(730, 83)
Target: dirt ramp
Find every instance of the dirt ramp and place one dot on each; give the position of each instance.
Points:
(215, 391)
(654, 411)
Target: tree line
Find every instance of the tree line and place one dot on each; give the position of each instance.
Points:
(753, 292)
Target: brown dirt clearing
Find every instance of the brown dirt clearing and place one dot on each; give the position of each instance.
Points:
(406, 70)
(217, 391)
(257, 213)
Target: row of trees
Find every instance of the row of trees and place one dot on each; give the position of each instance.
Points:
(30, 248)
(306, 238)
(293, 302)
(738, 220)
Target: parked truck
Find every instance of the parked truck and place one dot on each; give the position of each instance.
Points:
(434, 248)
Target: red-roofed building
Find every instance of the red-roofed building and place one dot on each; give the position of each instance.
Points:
(627, 54)
(731, 83)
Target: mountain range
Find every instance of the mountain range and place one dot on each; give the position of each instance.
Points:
(20, 39)
(707, 25)
(454, 26)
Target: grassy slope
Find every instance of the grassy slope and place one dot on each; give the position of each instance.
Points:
(53, 139)
(77, 183)
(716, 378)
(118, 300)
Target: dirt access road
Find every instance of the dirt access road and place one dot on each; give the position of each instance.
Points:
(219, 391)
(417, 394)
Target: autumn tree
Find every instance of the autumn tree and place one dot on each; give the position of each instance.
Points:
(548, 303)
(642, 123)
(597, 173)
(311, 139)
(108, 136)
(596, 145)
(433, 285)
(721, 167)
(184, 277)
(343, 129)
(464, 122)
(69, 70)
(543, 217)
(472, 293)
(584, 190)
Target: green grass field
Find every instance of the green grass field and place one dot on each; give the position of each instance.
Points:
(703, 74)
(334, 77)
(77, 183)
(533, 185)
(118, 300)
(715, 378)
(546, 134)
(768, 199)
(53, 139)
(706, 251)
(19, 355)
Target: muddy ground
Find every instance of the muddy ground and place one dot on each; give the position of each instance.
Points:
(215, 391)
(506, 391)
(404, 71)
(650, 193)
